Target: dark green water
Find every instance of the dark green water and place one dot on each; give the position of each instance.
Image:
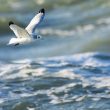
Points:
(50, 74)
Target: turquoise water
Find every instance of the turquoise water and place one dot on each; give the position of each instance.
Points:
(69, 68)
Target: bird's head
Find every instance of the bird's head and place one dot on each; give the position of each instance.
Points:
(37, 37)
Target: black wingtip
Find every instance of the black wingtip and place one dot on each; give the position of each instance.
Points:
(10, 23)
(42, 10)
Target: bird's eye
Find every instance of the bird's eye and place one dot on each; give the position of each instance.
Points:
(38, 36)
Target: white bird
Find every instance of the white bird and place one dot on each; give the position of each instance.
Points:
(28, 34)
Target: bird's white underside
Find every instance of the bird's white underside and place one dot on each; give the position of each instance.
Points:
(19, 41)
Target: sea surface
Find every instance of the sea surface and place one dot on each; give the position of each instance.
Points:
(68, 68)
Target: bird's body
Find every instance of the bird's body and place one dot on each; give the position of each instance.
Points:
(28, 34)
(17, 41)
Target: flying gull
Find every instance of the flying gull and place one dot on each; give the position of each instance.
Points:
(28, 34)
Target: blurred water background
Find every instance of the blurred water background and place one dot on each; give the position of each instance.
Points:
(69, 68)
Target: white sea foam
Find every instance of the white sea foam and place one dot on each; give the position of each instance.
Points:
(80, 98)
(63, 33)
(66, 74)
(101, 82)
(58, 32)
(40, 2)
(104, 20)
(88, 27)
(22, 68)
(1, 101)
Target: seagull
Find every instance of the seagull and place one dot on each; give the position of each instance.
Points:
(26, 35)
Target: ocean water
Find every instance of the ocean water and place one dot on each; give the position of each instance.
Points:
(68, 68)
(78, 82)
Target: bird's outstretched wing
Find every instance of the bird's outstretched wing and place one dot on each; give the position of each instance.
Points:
(35, 21)
(19, 32)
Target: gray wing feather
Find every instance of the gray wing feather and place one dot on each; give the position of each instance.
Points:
(19, 32)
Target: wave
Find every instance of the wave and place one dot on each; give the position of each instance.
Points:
(61, 66)
(54, 81)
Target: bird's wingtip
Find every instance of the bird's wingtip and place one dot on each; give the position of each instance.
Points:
(42, 10)
(10, 23)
